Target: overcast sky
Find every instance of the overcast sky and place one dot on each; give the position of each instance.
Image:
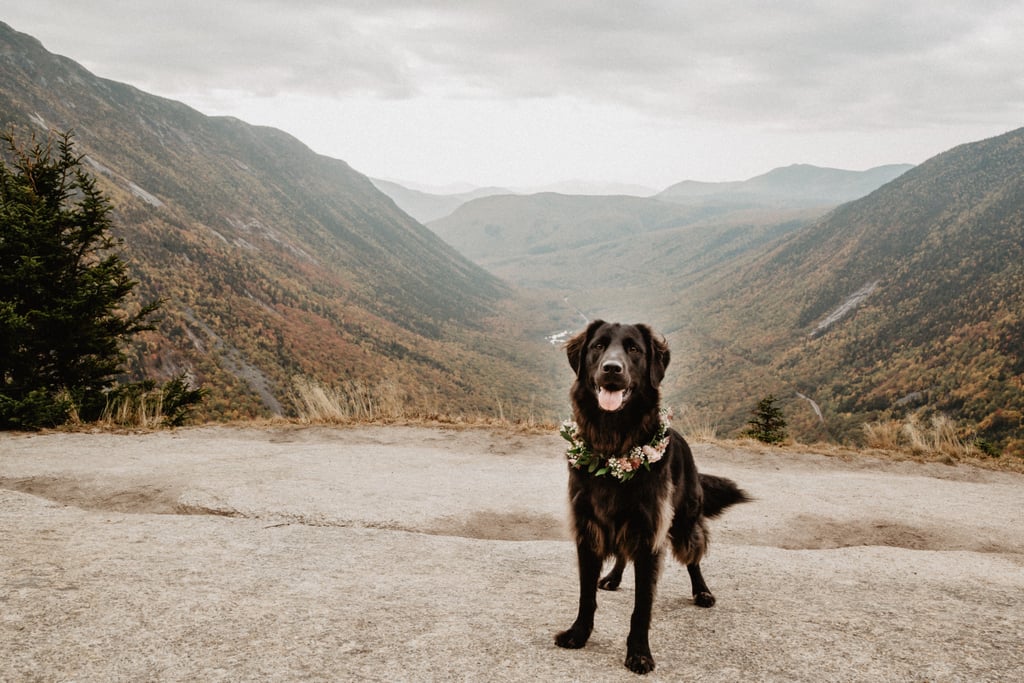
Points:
(530, 92)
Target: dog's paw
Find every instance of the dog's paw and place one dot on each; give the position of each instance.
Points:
(704, 599)
(609, 583)
(640, 662)
(571, 639)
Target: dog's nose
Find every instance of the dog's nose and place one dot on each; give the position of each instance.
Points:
(612, 367)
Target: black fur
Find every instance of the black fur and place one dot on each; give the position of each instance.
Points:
(637, 519)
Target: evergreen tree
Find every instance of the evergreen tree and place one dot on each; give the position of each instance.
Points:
(63, 288)
(768, 424)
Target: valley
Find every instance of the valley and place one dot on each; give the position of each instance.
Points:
(855, 297)
(903, 303)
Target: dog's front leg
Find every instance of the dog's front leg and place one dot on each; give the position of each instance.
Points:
(646, 567)
(589, 570)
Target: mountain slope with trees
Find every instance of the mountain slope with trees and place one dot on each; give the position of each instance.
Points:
(909, 300)
(274, 262)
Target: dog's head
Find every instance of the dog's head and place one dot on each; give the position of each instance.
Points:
(618, 363)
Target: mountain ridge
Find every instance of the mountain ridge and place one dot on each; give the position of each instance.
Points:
(275, 262)
(427, 206)
(796, 185)
(925, 280)
(793, 186)
(505, 226)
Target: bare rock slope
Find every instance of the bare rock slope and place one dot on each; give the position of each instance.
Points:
(402, 553)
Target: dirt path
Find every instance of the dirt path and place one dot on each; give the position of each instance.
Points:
(400, 553)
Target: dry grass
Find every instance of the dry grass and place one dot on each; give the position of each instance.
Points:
(383, 403)
(884, 434)
(936, 440)
(354, 402)
(695, 424)
(853, 453)
(938, 437)
(144, 410)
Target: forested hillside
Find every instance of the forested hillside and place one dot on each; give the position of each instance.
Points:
(909, 299)
(275, 262)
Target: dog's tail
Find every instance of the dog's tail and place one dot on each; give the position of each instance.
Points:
(720, 493)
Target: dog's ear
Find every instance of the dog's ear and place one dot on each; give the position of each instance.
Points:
(575, 347)
(657, 353)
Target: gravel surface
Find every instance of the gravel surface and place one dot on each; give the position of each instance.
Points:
(408, 553)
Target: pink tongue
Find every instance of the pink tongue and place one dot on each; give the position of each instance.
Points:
(610, 400)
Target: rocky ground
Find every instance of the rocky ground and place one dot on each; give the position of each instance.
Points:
(408, 553)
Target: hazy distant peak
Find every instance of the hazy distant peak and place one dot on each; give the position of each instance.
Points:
(590, 188)
(793, 185)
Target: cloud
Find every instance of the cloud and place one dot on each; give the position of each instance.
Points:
(864, 64)
(503, 91)
(868, 63)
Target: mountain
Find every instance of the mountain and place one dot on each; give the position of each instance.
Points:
(908, 299)
(500, 226)
(428, 206)
(275, 262)
(590, 187)
(799, 185)
(498, 229)
(595, 248)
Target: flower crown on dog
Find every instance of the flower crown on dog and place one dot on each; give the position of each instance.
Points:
(622, 467)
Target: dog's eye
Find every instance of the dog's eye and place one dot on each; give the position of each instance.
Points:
(633, 348)
(597, 346)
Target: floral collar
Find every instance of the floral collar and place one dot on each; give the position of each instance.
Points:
(621, 467)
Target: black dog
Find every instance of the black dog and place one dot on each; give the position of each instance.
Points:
(633, 484)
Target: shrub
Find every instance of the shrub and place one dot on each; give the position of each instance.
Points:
(144, 404)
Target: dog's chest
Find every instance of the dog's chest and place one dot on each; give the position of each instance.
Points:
(613, 503)
(621, 517)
